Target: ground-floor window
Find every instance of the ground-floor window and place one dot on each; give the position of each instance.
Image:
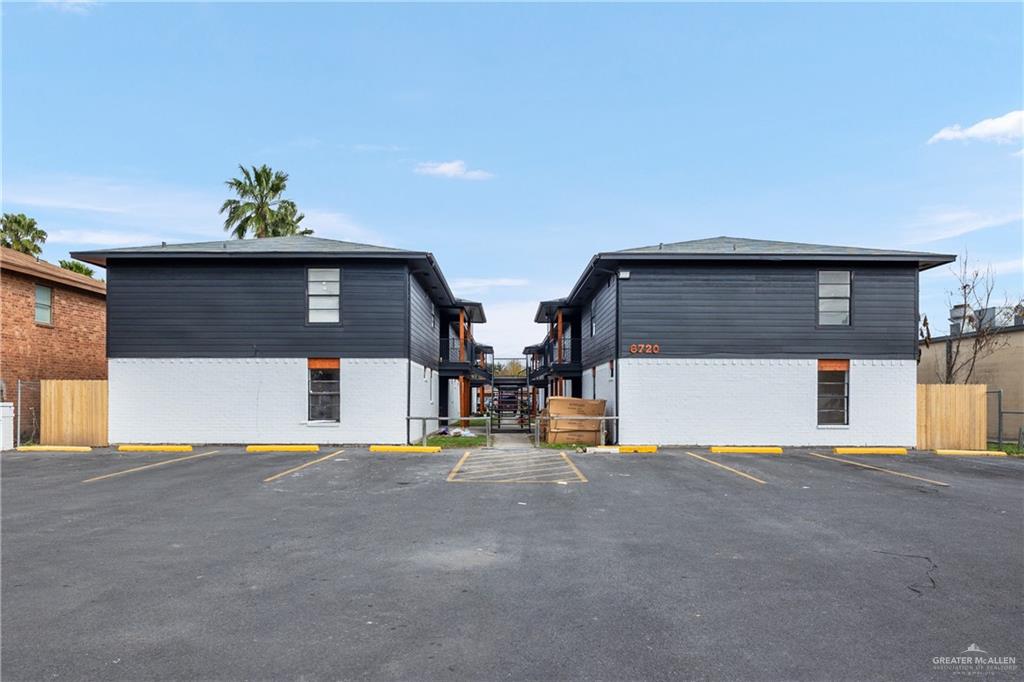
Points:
(324, 390)
(833, 392)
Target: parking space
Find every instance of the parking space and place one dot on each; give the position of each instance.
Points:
(346, 563)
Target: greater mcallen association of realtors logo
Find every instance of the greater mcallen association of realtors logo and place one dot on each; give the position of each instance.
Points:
(975, 661)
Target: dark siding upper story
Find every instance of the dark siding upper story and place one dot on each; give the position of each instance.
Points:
(424, 335)
(600, 347)
(708, 310)
(252, 308)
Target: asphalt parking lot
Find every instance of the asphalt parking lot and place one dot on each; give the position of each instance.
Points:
(677, 565)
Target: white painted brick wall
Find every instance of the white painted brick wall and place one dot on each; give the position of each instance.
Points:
(251, 400)
(761, 402)
(453, 401)
(601, 387)
(423, 393)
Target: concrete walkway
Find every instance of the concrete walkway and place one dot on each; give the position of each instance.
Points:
(511, 441)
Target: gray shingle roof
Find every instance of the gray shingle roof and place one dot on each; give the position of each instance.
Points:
(726, 246)
(269, 245)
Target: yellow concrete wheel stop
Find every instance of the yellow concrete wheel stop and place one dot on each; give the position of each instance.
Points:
(282, 448)
(54, 448)
(971, 453)
(748, 449)
(639, 449)
(869, 451)
(405, 448)
(154, 448)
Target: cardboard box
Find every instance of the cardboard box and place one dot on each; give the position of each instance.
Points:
(562, 411)
(575, 437)
(561, 407)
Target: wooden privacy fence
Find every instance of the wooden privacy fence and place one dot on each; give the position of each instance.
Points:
(73, 412)
(951, 416)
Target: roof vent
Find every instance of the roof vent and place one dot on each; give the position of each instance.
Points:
(163, 243)
(660, 245)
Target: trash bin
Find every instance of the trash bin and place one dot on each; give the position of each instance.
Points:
(6, 426)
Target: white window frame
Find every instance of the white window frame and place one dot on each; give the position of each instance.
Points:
(323, 295)
(48, 306)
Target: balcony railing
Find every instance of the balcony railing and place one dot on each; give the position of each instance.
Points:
(554, 356)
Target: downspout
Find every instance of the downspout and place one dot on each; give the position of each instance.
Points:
(408, 354)
(615, 356)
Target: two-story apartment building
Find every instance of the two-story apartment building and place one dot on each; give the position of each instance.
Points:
(52, 325)
(742, 342)
(284, 340)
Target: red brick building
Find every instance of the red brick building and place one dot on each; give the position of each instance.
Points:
(52, 326)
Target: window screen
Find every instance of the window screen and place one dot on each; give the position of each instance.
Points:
(834, 297)
(833, 392)
(324, 390)
(323, 287)
(44, 305)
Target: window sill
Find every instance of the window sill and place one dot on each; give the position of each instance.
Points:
(322, 424)
(833, 426)
(45, 325)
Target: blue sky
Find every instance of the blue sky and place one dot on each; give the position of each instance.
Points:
(514, 141)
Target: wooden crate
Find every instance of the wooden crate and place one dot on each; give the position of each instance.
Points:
(952, 416)
(73, 412)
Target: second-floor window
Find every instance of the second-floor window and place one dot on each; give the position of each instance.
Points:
(44, 305)
(834, 297)
(323, 295)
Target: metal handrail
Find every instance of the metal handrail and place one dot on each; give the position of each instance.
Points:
(446, 420)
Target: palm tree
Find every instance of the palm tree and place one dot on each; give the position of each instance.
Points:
(20, 233)
(286, 222)
(75, 266)
(259, 209)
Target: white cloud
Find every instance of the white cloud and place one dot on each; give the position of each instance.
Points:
(1002, 129)
(947, 223)
(510, 327)
(451, 169)
(108, 212)
(478, 284)
(71, 6)
(105, 237)
(335, 225)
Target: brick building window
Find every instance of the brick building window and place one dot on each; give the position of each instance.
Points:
(833, 392)
(834, 297)
(44, 305)
(323, 295)
(324, 390)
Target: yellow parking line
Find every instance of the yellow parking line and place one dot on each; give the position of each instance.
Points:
(874, 468)
(520, 471)
(498, 458)
(572, 465)
(727, 468)
(451, 474)
(302, 466)
(511, 464)
(149, 466)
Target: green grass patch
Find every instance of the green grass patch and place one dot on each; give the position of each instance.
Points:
(1011, 449)
(457, 441)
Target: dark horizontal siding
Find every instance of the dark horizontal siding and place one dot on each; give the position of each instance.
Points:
(600, 347)
(187, 308)
(766, 311)
(424, 338)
